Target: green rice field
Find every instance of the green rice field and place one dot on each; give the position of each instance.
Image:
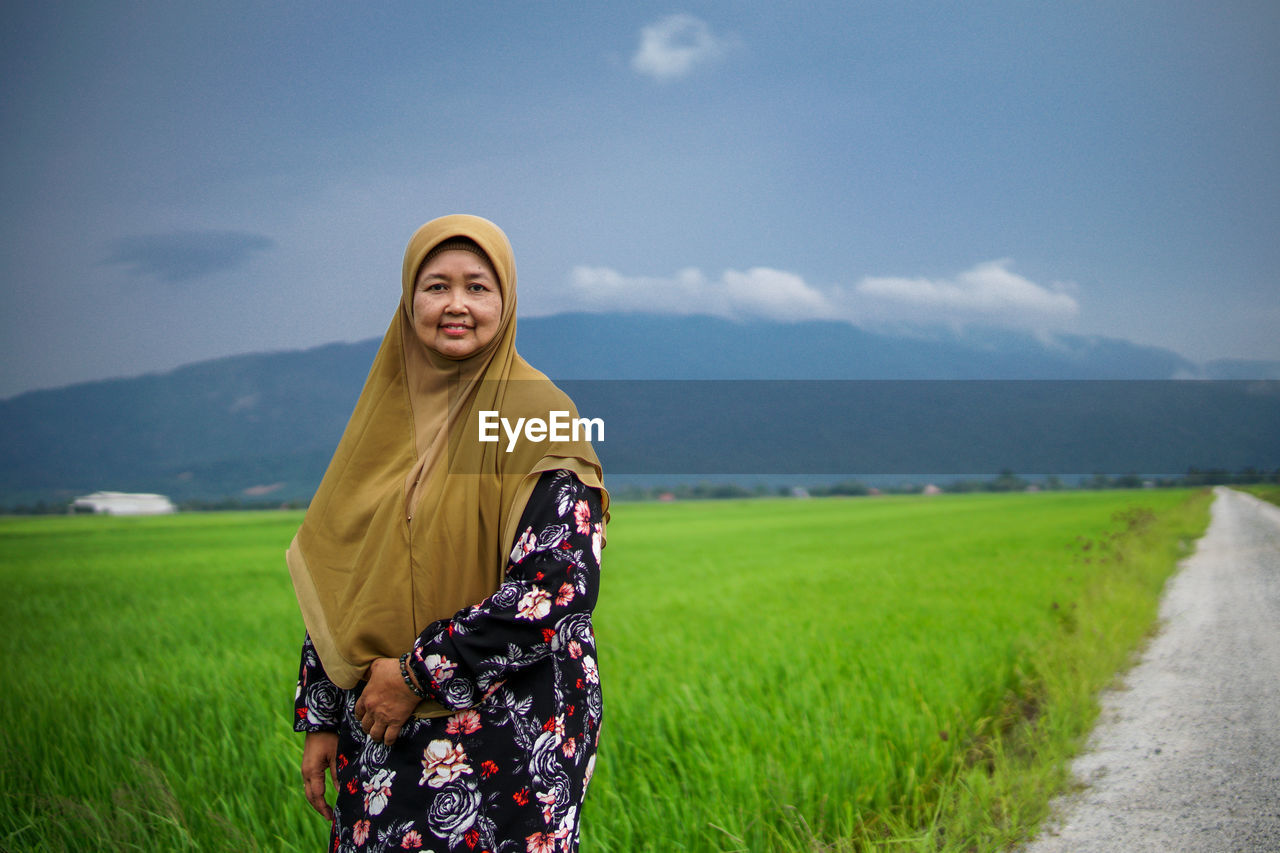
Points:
(895, 673)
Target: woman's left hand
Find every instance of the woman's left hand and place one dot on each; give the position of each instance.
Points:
(386, 702)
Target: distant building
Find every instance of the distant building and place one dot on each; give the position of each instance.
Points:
(122, 503)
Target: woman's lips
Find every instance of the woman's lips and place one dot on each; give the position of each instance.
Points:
(456, 330)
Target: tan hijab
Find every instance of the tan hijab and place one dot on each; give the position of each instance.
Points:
(415, 517)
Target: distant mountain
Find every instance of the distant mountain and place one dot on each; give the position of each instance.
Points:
(646, 346)
(1240, 368)
(206, 430)
(262, 427)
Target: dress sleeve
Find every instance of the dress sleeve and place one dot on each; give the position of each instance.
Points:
(548, 594)
(316, 701)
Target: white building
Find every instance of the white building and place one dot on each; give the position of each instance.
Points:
(123, 503)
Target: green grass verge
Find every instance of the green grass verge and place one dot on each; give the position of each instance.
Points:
(1019, 757)
(1266, 491)
(900, 673)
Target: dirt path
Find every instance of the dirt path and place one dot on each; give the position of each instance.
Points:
(1186, 757)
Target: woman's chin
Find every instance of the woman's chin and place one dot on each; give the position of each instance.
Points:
(454, 349)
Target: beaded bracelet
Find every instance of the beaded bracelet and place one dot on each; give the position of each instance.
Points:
(404, 673)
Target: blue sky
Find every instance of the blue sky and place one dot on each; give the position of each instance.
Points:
(185, 181)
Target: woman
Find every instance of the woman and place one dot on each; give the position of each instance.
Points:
(448, 679)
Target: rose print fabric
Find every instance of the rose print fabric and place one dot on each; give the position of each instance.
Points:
(506, 771)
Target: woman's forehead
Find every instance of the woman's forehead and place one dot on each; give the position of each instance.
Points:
(457, 260)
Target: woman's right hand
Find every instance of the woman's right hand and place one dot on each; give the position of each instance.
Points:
(319, 751)
(386, 702)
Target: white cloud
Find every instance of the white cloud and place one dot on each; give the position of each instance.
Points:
(988, 294)
(774, 294)
(757, 293)
(674, 46)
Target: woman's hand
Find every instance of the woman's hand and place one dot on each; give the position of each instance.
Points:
(386, 701)
(319, 751)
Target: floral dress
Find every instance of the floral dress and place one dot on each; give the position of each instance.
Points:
(507, 771)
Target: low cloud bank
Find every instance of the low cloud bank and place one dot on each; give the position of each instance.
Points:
(989, 293)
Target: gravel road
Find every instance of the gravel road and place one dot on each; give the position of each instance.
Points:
(1186, 756)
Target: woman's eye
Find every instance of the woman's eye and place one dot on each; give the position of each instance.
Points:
(475, 287)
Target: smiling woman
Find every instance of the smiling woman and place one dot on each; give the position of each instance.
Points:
(456, 301)
(448, 681)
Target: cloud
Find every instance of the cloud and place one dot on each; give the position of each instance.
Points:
(184, 255)
(759, 292)
(774, 294)
(674, 46)
(988, 294)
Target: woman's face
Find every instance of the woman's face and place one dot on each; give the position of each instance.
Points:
(457, 306)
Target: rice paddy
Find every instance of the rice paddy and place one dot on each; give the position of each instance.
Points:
(835, 674)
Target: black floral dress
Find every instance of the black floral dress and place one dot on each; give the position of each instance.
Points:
(508, 770)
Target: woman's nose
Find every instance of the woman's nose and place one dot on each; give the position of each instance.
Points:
(457, 301)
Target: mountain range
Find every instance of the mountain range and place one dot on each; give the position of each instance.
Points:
(262, 427)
